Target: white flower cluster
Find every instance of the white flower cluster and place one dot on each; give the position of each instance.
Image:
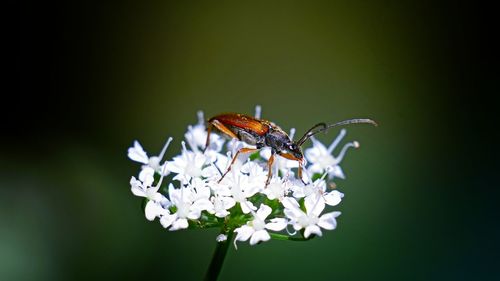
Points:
(240, 202)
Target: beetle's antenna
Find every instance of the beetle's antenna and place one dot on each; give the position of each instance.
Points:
(311, 132)
(321, 127)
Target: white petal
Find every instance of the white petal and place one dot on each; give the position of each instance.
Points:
(314, 204)
(199, 160)
(153, 210)
(317, 152)
(147, 176)
(177, 195)
(136, 188)
(277, 224)
(263, 211)
(333, 198)
(164, 202)
(247, 206)
(312, 229)
(292, 208)
(135, 182)
(336, 172)
(293, 216)
(312, 154)
(210, 172)
(138, 154)
(328, 220)
(179, 224)
(297, 226)
(320, 185)
(221, 213)
(202, 204)
(176, 165)
(290, 203)
(258, 236)
(203, 192)
(167, 220)
(194, 214)
(220, 189)
(275, 189)
(244, 232)
(227, 202)
(157, 197)
(315, 168)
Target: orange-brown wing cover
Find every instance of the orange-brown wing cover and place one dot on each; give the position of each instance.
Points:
(242, 121)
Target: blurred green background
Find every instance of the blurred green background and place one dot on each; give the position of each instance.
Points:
(420, 202)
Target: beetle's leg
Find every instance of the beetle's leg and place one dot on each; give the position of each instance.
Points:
(300, 173)
(209, 130)
(269, 167)
(291, 157)
(242, 150)
(217, 124)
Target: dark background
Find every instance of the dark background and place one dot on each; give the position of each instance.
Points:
(421, 193)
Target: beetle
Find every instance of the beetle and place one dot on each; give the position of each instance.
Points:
(263, 133)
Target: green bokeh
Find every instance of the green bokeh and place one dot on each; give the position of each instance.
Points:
(125, 72)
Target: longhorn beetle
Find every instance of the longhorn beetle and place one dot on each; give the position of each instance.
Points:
(263, 133)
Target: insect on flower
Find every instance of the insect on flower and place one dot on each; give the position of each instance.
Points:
(264, 133)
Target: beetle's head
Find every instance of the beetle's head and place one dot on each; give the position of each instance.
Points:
(295, 150)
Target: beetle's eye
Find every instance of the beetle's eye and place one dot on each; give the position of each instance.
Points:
(291, 147)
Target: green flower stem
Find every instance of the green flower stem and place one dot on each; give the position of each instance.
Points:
(218, 257)
(277, 236)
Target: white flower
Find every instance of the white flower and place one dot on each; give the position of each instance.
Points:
(203, 199)
(188, 165)
(310, 220)
(256, 229)
(221, 205)
(321, 157)
(256, 174)
(196, 137)
(276, 189)
(137, 153)
(188, 205)
(200, 196)
(142, 188)
(240, 187)
(222, 197)
(318, 188)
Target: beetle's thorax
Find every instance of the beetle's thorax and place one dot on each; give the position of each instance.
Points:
(280, 142)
